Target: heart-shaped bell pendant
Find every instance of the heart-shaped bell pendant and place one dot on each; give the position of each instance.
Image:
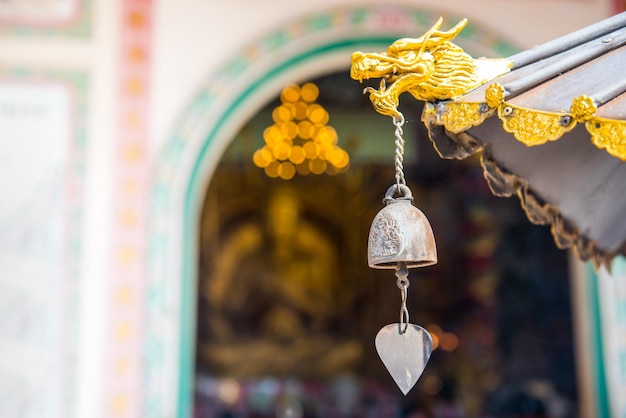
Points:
(404, 354)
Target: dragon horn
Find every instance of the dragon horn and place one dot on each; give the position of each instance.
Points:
(431, 38)
(452, 33)
(428, 34)
(434, 38)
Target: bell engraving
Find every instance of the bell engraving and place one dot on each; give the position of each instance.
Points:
(385, 236)
(400, 232)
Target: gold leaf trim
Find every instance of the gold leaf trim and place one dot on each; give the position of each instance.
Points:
(583, 108)
(459, 116)
(533, 127)
(608, 134)
(429, 111)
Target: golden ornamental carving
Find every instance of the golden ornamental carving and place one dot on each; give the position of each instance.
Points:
(610, 135)
(430, 68)
(533, 127)
(430, 110)
(583, 108)
(494, 95)
(461, 116)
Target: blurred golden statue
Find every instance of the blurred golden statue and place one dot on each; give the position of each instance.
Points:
(276, 299)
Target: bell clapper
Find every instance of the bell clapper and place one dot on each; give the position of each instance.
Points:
(402, 274)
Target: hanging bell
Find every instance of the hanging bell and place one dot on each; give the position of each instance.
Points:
(400, 232)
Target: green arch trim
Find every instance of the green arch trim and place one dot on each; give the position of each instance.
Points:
(596, 345)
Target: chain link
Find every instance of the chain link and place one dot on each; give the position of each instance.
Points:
(399, 152)
(402, 281)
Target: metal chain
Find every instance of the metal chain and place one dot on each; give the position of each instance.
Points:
(402, 281)
(402, 271)
(399, 153)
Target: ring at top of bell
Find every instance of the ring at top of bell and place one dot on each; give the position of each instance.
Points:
(400, 232)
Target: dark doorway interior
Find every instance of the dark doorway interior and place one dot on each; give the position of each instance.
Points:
(288, 309)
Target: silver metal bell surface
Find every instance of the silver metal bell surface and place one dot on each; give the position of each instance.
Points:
(400, 232)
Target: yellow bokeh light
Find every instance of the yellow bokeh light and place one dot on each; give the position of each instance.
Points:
(136, 54)
(303, 168)
(291, 108)
(134, 86)
(128, 217)
(123, 331)
(281, 151)
(132, 152)
(262, 157)
(317, 114)
(310, 150)
(324, 151)
(449, 341)
(301, 109)
(286, 170)
(120, 404)
(309, 92)
(339, 158)
(292, 129)
(288, 131)
(127, 255)
(317, 166)
(291, 93)
(272, 169)
(316, 130)
(305, 129)
(281, 114)
(300, 142)
(123, 295)
(326, 135)
(320, 135)
(297, 155)
(272, 135)
(332, 135)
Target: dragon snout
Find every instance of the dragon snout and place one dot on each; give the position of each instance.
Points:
(358, 71)
(357, 56)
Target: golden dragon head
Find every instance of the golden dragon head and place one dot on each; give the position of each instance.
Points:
(429, 67)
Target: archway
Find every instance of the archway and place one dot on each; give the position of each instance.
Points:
(313, 45)
(288, 307)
